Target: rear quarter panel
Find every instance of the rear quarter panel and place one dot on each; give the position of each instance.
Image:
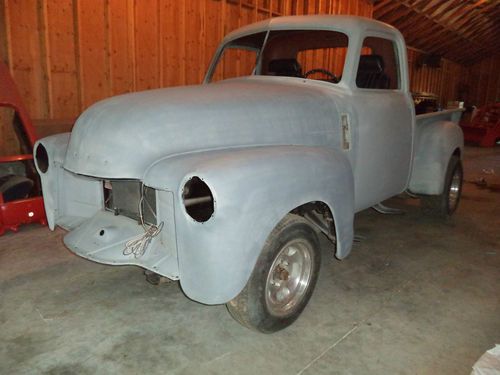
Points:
(437, 137)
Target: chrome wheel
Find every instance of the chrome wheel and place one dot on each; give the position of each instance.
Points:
(289, 277)
(454, 190)
(283, 277)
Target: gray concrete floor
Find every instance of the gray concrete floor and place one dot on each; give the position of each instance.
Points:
(417, 296)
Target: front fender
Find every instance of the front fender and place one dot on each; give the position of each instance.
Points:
(68, 198)
(253, 189)
(435, 143)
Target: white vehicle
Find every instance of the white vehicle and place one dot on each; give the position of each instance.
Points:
(225, 186)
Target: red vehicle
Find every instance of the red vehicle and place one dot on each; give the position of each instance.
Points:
(484, 129)
(21, 199)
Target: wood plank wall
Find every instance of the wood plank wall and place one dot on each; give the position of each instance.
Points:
(478, 84)
(67, 54)
(444, 82)
(481, 82)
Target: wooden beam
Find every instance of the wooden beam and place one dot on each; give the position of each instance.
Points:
(452, 12)
(398, 15)
(445, 6)
(430, 5)
(4, 40)
(381, 4)
(432, 10)
(382, 12)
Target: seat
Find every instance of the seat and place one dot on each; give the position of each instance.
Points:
(14, 187)
(285, 68)
(371, 73)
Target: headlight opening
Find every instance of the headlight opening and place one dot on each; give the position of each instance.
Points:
(42, 158)
(198, 200)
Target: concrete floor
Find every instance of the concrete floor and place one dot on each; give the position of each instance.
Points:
(417, 296)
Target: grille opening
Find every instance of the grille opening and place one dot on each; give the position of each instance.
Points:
(198, 200)
(123, 197)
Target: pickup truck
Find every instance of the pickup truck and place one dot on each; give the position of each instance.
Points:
(300, 123)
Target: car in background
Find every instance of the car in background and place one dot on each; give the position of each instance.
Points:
(484, 128)
(21, 199)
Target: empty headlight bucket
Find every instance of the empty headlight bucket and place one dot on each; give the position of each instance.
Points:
(198, 199)
(41, 158)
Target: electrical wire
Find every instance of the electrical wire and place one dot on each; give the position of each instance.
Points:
(138, 244)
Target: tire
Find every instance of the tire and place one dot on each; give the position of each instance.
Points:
(445, 204)
(283, 278)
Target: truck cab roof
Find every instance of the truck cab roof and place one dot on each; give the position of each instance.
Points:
(351, 25)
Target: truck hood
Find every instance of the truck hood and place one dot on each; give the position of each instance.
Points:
(122, 136)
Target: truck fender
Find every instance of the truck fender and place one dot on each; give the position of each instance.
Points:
(253, 189)
(68, 198)
(435, 143)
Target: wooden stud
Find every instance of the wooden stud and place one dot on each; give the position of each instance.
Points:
(61, 65)
(26, 55)
(93, 54)
(121, 47)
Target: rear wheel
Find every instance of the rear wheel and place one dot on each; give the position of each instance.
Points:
(283, 279)
(445, 204)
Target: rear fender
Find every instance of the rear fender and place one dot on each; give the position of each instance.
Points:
(435, 143)
(253, 189)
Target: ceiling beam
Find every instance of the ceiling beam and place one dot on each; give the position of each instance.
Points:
(389, 8)
(397, 15)
(380, 4)
(445, 7)
(458, 30)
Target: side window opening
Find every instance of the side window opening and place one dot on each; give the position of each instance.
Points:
(378, 65)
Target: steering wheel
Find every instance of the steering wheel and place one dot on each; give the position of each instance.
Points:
(332, 76)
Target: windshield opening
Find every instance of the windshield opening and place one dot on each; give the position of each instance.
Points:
(311, 54)
(239, 57)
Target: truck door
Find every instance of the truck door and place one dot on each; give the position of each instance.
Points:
(384, 123)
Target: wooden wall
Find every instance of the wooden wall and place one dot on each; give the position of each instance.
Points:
(444, 82)
(67, 54)
(477, 84)
(481, 83)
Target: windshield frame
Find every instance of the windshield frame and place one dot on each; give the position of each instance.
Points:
(351, 48)
(227, 45)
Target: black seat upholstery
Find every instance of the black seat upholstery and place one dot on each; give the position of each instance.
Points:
(371, 73)
(285, 67)
(15, 187)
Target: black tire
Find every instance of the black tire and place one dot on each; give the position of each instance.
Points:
(257, 306)
(445, 204)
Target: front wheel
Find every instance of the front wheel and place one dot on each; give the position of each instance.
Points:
(445, 204)
(283, 279)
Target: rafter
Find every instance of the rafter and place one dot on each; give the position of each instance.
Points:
(398, 15)
(394, 5)
(460, 30)
(381, 4)
(445, 7)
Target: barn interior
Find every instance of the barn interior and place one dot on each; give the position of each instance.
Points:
(416, 295)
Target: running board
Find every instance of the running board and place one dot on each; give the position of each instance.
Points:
(411, 195)
(381, 209)
(359, 238)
